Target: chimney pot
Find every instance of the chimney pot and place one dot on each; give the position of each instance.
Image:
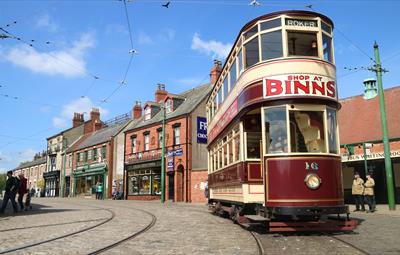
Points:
(215, 71)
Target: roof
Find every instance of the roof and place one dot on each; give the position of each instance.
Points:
(32, 163)
(360, 120)
(100, 136)
(192, 99)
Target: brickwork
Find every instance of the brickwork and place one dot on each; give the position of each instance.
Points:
(197, 185)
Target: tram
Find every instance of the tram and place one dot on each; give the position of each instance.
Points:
(273, 145)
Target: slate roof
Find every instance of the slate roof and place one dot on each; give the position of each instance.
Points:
(32, 163)
(100, 136)
(192, 99)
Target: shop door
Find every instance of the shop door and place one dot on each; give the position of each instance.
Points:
(171, 185)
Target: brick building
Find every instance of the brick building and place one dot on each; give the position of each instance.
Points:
(33, 172)
(359, 124)
(186, 156)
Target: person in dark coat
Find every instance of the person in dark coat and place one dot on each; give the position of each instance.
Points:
(22, 190)
(11, 191)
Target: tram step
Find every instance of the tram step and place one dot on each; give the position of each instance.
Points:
(256, 218)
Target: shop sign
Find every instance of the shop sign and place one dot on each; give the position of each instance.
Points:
(170, 164)
(173, 153)
(299, 85)
(372, 156)
(301, 23)
(201, 130)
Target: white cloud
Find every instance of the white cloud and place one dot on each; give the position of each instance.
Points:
(81, 105)
(115, 28)
(212, 48)
(69, 62)
(44, 21)
(167, 34)
(8, 161)
(190, 82)
(144, 39)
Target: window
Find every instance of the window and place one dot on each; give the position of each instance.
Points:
(85, 156)
(307, 131)
(252, 129)
(275, 130)
(240, 61)
(251, 52)
(52, 163)
(144, 182)
(226, 88)
(219, 97)
(225, 161)
(271, 24)
(332, 124)
(99, 152)
(159, 144)
(134, 142)
(232, 75)
(147, 113)
(214, 105)
(103, 152)
(177, 135)
(327, 46)
(271, 45)
(95, 156)
(89, 154)
(326, 28)
(169, 106)
(251, 32)
(302, 44)
(146, 142)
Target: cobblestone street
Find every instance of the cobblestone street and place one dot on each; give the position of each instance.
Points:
(83, 226)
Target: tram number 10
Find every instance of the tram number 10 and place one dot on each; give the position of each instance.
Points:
(311, 166)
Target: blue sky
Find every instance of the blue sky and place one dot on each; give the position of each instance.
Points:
(175, 46)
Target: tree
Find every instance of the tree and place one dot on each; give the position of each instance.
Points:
(40, 184)
(3, 178)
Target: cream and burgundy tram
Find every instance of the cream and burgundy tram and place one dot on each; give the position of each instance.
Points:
(273, 144)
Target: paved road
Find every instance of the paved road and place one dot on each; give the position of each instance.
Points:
(180, 229)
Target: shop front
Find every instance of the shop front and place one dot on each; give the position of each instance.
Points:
(143, 181)
(86, 178)
(51, 183)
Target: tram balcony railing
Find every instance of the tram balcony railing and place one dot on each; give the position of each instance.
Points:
(154, 154)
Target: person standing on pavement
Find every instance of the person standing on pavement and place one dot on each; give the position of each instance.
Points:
(357, 190)
(11, 191)
(100, 190)
(206, 191)
(22, 189)
(369, 192)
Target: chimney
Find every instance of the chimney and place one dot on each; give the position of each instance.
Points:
(215, 71)
(95, 119)
(137, 110)
(161, 93)
(77, 120)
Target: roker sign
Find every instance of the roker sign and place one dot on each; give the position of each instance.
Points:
(294, 85)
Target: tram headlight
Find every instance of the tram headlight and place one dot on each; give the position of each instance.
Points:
(312, 181)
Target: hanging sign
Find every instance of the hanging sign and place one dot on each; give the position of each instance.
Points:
(170, 164)
(201, 130)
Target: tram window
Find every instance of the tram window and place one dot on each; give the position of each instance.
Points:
(236, 140)
(225, 151)
(252, 127)
(226, 88)
(275, 130)
(219, 97)
(215, 105)
(307, 131)
(232, 75)
(271, 45)
(231, 143)
(302, 44)
(326, 28)
(327, 46)
(271, 24)
(332, 124)
(251, 52)
(240, 61)
(251, 32)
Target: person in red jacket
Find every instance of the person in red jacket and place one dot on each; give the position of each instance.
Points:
(23, 182)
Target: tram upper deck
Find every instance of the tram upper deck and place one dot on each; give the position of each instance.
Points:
(279, 56)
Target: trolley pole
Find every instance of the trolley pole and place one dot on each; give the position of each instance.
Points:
(388, 163)
(163, 157)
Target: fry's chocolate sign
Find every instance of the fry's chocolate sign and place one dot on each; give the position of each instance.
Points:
(299, 85)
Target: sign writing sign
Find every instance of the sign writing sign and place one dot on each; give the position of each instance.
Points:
(293, 85)
(201, 130)
(301, 23)
(224, 120)
(372, 156)
(170, 164)
(177, 152)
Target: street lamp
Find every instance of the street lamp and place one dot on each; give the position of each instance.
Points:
(163, 156)
(370, 92)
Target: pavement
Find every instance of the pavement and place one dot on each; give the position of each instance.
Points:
(180, 228)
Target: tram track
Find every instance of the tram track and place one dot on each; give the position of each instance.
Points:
(261, 250)
(348, 243)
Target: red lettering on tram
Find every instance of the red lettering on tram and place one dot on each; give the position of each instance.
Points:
(331, 89)
(315, 87)
(298, 85)
(274, 87)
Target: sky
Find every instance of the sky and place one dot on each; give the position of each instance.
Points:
(81, 51)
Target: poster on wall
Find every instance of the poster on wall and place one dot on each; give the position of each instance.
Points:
(201, 130)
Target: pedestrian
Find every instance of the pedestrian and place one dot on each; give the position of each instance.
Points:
(11, 191)
(100, 190)
(357, 191)
(28, 201)
(369, 192)
(206, 191)
(22, 189)
(96, 188)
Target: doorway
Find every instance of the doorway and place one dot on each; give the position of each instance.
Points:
(171, 185)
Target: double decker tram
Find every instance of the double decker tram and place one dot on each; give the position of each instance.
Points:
(273, 144)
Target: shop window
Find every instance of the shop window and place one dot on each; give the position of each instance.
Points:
(276, 130)
(307, 131)
(146, 142)
(156, 184)
(240, 61)
(271, 24)
(327, 46)
(332, 125)
(177, 135)
(271, 45)
(232, 75)
(252, 129)
(134, 144)
(302, 44)
(226, 88)
(251, 51)
(144, 182)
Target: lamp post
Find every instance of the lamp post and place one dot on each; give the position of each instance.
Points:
(64, 166)
(163, 156)
(377, 68)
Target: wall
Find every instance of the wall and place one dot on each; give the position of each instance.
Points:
(199, 151)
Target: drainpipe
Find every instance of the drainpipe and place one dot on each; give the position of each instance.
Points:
(187, 157)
